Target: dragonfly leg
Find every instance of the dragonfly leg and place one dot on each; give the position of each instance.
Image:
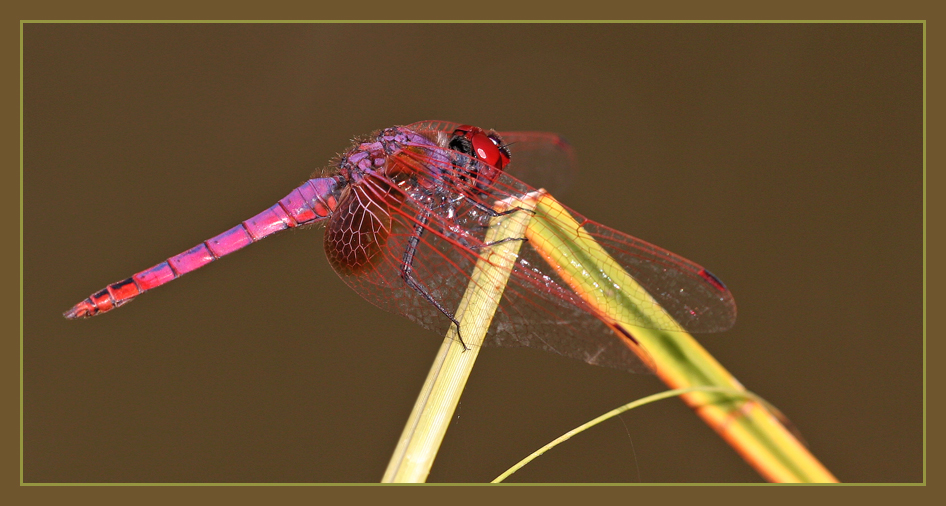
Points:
(496, 243)
(407, 270)
(493, 213)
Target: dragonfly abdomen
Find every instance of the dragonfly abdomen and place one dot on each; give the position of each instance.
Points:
(313, 201)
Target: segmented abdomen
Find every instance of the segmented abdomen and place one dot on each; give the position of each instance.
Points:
(313, 201)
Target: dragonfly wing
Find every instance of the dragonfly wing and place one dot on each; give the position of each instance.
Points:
(535, 312)
(694, 297)
(438, 249)
(369, 239)
(688, 295)
(542, 159)
(539, 311)
(382, 283)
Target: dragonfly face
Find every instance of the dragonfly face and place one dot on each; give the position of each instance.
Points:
(486, 146)
(481, 146)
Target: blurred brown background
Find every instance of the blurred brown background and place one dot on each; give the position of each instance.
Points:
(785, 158)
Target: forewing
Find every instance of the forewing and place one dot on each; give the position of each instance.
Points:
(540, 310)
(541, 159)
(692, 296)
(674, 292)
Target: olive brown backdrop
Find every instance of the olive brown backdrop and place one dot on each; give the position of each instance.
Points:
(786, 158)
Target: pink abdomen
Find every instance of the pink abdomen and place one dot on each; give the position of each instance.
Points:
(313, 201)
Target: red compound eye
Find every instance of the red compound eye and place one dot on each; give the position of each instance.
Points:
(485, 147)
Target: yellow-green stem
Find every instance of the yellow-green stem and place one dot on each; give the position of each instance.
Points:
(676, 357)
(433, 410)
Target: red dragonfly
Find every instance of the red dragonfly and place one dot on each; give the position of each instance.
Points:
(407, 209)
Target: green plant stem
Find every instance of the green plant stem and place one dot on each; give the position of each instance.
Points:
(433, 410)
(675, 356)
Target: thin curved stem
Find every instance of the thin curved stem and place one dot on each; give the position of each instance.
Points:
(617, 411)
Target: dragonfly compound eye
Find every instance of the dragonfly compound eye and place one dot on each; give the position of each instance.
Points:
(485, 147)
(501, 147)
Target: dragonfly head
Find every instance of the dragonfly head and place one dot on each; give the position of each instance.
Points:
(485, 146)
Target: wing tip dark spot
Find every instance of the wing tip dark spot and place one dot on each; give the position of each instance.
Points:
(713, 280)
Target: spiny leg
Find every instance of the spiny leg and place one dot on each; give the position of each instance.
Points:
(497, 243)
(494, 213)
(407, 270)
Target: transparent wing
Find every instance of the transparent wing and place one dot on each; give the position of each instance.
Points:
(542, 159)
(696, 299)
(439, 242)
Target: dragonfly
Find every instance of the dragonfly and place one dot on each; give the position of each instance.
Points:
(406, 210)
